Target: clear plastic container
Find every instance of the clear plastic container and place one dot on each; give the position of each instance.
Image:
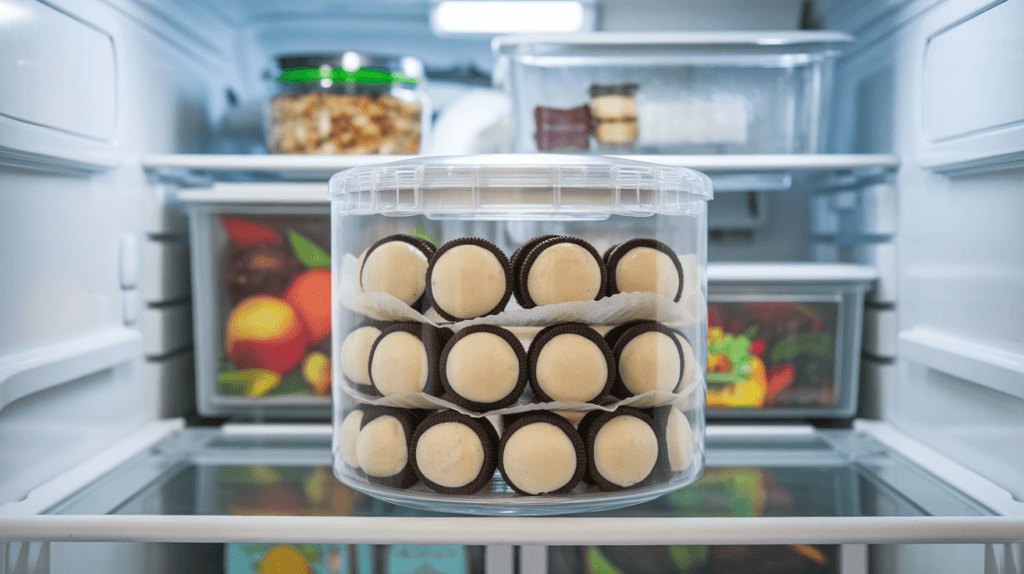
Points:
(669, 93)
(508, 304)
(348, 103)
(261, 305)
(784, 339)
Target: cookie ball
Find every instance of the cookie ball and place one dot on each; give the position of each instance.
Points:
(468, 278)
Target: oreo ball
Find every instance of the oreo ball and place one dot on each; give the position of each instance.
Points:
(483, 368)
(454, 453)
(622, 448)
(404, 359)
(644, 265)
(648, 357)
(560, 270)
(397, 265)
(468, 278)
(383, 445)
(541, 453)
(570, 362)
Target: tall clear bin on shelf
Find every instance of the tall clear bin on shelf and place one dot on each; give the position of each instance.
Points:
(507, 339)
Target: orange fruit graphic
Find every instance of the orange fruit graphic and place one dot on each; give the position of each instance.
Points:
(284, 559)
(316, 369)
(310, 293)
(265, 332)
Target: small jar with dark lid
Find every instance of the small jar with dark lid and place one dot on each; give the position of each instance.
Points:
(349, 103)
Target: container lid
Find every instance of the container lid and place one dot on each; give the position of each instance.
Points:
(520, 186)
(681, 39)
(790, 273)
(357, 67)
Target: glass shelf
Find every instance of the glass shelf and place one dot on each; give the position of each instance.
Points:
(728, 172)
(763, 485)
(197, 472)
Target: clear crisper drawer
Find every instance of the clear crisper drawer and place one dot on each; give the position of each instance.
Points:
(670, 93)
(507, 313)
(784, 339)
(261, 300)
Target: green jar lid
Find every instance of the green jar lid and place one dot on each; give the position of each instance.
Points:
(350, 67)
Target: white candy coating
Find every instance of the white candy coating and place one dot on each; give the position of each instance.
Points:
(563, 272)
(649, 270)
(571, 368)
(349, 434)
(679, 440)
(355, 354)
(397, 268)
(450, 454)
(650, 362)
(625, 450)
(467, 281)
(539, 458)
(381, 448)
(399, 364)
(482, 367)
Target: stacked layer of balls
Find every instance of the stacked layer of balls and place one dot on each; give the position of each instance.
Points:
(484, 368)
(470, 277)
(538, 453)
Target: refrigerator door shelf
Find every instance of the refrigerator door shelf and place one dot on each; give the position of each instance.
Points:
(763, 485)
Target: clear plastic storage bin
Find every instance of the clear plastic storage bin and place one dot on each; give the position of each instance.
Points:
(784, 339)
(669, 93)
(507, 342)
(261, 305)
(349, 103)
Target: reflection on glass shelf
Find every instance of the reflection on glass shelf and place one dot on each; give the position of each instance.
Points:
(825, 473)
(775, 559)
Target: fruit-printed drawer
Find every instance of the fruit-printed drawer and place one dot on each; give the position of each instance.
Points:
(784, 340)
(261, 293)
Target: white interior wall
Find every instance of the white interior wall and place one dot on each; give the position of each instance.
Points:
(64, 230)
(957, 383)
(699, 15)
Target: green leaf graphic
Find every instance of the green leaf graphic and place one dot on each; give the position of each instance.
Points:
(422, 234)
(816, 344)
(309, 253)
(291, 384)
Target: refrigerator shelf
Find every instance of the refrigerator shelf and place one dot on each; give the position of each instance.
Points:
(763, 485)
(728, 172)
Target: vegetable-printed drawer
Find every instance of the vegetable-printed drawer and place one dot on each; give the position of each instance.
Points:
(784, 340)
(261, 293)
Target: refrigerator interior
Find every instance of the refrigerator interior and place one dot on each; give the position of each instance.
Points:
(111, 108)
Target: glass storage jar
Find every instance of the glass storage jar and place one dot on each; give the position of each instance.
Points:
(350, 103)
(518, 334)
